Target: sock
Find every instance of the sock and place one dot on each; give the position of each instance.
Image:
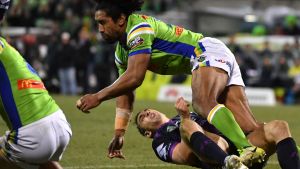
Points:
(287, 154)
(205, 147)
(223, 119)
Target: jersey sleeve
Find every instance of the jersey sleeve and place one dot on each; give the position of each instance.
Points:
(140, 39)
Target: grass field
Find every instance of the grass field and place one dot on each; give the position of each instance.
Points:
(92, 133)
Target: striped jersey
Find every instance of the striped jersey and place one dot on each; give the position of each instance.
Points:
(23, 97)
(170, 46)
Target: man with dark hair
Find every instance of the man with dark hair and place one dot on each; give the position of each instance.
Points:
(189, 139)
(38, 130)
(145, 43)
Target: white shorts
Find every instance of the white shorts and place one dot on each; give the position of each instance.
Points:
(216, 54)
(37, 143)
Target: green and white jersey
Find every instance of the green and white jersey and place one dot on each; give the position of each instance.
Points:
(24, 98)
(171, 47)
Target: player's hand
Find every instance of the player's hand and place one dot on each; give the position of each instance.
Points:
(87, 102)
(182, 107)
(115, 148)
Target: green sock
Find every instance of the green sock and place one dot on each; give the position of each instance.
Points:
(223, 119)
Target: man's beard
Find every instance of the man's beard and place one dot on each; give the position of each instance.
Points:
(108, 40)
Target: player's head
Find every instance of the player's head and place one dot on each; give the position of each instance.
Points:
(111, 17)
(4, 5)
(148, 121)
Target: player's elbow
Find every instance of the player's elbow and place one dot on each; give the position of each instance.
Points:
(136, 81)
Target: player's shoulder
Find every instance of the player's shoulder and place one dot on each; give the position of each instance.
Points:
(139, 24)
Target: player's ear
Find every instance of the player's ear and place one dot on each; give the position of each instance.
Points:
(148, 134)
(122, 20)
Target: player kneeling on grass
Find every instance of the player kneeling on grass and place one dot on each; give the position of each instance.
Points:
(189, 139)
(38, 130)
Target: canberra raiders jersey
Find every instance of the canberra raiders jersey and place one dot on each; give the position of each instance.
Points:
(171, 47)
(24, 98)
(168, 136)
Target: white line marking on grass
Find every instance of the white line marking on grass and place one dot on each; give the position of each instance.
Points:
(137, 166)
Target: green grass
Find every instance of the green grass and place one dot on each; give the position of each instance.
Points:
(92, 133)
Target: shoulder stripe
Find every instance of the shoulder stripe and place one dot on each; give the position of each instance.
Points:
(142, 28)
(140, 31)
(143, 24)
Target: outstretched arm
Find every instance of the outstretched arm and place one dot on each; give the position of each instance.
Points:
(130, 80)
(124, 107)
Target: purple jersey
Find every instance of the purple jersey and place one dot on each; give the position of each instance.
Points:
(168, 136)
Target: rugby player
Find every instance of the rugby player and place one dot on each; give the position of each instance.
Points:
(145, 43)
(38, 130)
(182, 139)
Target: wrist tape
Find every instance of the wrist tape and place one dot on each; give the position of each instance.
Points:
(122, 118)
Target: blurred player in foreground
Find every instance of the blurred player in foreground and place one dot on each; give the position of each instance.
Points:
(145, 43)
(188, 139)
(38, 130)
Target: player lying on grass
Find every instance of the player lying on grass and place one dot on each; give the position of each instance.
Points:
(187, 139)
(146, 43)
(38, 130)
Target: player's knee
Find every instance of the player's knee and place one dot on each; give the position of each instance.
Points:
(278, 128)
(187, 128)
(203, 105)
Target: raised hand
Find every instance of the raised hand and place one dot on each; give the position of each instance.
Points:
(182, 107)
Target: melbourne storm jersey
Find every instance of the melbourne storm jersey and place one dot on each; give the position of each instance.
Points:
(24, 98)
(171, 47)
(168, 136)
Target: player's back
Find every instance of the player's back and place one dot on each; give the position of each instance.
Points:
(24, 98)
(170, 46)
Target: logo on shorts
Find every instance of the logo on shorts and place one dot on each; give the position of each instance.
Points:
(224, 61)
(201, 58)
(136, 42)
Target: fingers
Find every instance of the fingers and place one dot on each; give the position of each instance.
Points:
(82, 105)
(116, 154)
(181, 103)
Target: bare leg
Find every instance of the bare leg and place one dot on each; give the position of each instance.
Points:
(51, 165)
(208, 83)
(6, 164)
(235, 99)
(276, 136)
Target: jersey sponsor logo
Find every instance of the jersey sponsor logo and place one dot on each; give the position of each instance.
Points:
(136, 42)
(171, 128)
(162, 151)
(178, 30)
(30, 84)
